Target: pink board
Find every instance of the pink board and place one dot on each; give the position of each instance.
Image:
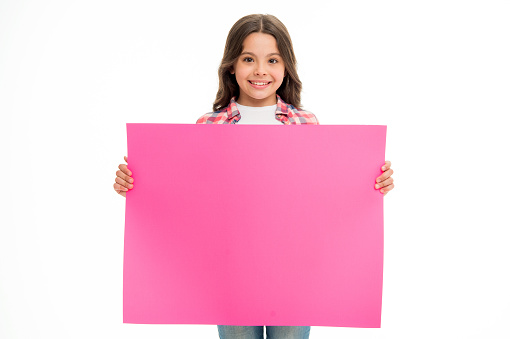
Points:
(254, 225)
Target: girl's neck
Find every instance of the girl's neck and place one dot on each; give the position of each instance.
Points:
(261, 107)
(249, 101)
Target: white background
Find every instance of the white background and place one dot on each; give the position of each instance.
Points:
(72, 73)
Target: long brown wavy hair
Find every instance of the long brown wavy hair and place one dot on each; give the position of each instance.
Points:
(290, 89)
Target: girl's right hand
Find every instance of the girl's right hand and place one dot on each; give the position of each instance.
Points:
(123, 181)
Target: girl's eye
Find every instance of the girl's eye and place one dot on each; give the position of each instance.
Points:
(271, 61)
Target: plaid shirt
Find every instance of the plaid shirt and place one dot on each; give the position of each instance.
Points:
(285, 113)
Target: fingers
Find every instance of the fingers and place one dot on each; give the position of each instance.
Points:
(384, 176)
(125, 170)
(386, 166)
(384, 184)
(386, 189)
(125, 174)
(120, 189)
(123, 181)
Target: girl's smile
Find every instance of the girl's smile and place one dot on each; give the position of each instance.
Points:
(259, 70)
(259, 84)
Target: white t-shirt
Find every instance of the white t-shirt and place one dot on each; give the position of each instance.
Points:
(257, 115)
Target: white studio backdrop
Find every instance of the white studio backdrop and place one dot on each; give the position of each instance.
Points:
(73, 73)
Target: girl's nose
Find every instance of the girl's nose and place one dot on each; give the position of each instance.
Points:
(260, 70)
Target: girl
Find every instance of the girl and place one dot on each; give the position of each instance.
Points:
(258, 84)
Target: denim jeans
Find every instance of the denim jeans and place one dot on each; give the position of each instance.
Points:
(257, 332)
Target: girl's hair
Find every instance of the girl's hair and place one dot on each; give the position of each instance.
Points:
(290, 89)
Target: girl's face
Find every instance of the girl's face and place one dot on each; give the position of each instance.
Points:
(259, 70)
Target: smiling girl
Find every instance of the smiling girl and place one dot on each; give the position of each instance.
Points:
(258, 82)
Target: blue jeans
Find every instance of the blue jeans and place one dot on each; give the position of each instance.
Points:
(257, 332)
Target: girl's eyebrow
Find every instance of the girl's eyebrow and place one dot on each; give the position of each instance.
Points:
(250, 53)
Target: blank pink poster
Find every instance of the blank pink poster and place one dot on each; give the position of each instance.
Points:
(254, 225)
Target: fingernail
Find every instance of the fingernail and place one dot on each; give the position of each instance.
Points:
(130, 180)
(384, 168)
(382, 191)
(377, 186)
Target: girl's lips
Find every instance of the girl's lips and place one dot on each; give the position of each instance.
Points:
(260, 86)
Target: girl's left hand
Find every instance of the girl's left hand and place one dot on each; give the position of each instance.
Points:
(384, 182)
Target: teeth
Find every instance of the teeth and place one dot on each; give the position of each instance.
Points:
(259, 83)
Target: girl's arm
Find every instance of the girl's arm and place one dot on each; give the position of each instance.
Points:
(123, 181)
(384, 182)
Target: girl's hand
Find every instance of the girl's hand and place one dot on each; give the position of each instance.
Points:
(384, 182)
(123, 181)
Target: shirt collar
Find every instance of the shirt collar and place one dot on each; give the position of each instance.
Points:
(281, 107)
